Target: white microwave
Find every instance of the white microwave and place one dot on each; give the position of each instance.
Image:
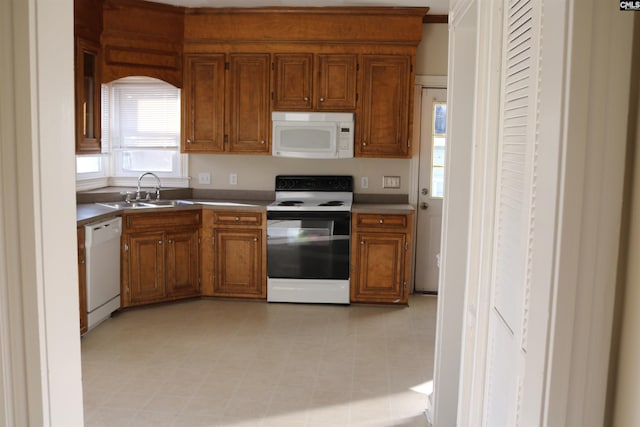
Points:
(312, 135)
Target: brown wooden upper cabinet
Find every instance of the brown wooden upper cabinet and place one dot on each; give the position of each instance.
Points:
(308, 82)
(385, 104)
(226, 103)
(87, 94)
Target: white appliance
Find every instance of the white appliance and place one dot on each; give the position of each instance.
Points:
(102, 242)
(308, 239)
(312, 135)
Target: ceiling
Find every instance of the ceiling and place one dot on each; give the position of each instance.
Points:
(436, 7)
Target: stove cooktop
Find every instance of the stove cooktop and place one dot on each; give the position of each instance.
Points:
(313, 193)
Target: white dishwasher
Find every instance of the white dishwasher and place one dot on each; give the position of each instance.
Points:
(102, 241)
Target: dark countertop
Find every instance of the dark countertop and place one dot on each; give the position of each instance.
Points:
(88, 211)
(91, 212)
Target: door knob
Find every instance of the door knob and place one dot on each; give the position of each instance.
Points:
(424, 191)
(424, 205)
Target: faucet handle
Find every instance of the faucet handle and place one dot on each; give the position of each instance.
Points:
(127, 195)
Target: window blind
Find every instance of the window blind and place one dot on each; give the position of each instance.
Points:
(146, 115)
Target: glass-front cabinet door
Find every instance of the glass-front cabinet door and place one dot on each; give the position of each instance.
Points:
(87, 87)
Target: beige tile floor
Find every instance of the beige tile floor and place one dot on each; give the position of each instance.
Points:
(235, 363)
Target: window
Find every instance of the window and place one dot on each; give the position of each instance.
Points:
(439, 138)
(143, 132)
(140, 133)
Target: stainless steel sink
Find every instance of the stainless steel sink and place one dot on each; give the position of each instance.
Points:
(167, 203)
(145, 204)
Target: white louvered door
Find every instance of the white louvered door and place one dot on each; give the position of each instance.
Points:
(515, 214)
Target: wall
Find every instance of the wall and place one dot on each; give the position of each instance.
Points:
(40, 343)
(257, 172)
(626, 387)
(431, 57)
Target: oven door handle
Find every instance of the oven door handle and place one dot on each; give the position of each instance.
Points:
(302, 215)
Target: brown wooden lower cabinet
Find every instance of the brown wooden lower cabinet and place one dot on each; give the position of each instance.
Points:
(82, 281)
(380, 254)
(160, 256)
(234, 254)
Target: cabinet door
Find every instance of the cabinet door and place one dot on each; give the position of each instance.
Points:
(383, 115)
(238, 269)
(203, 104)
(292, 82)
(145, 281)
(87, 103)
(378, 270)
(206, 260)
(336, 83)
(249, 119)
(181, 261)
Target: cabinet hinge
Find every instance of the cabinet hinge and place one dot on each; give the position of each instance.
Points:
(357, 67)
(408, 142)
(411, 68)
(226, 138)
(226, 65)
(272, 96)
(126, 247)
(404, 285)
(273, 65)
(213, 241)
(406, 246)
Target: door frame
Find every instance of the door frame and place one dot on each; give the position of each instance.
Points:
(423, 81)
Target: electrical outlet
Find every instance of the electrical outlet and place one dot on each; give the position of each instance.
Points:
(204, 178)
(364, 182)
(390, 182)
(233, 178)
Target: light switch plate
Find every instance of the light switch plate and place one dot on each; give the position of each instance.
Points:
(364, 182)
(204, 178)
(233, 178)
(390, 182)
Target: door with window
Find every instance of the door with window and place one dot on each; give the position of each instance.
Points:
(433, 138)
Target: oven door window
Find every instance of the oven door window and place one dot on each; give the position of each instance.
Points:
(308, 245)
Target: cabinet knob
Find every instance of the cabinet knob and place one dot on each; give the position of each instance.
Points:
(321, 99)
(381, 221)
(170, 241)
(306, 98)
(255, 239)
(159, 242)
(188, 141)
(262, 142)
(237, 218)
(362, 242)
(364, 143)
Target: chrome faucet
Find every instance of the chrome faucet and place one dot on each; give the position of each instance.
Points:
(138, 196)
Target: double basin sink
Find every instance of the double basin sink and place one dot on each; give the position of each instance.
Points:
(146, 204)
(150, 204)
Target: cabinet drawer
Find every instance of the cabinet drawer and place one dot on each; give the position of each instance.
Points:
(161, 220)
(237, 218)
(382, 221)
